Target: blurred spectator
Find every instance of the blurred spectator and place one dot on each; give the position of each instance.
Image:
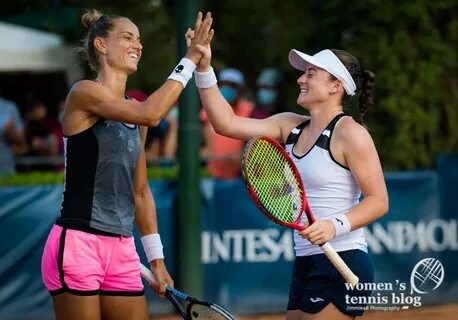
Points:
(268, 94)
(226, 152)
(171, 137)
(43, 134)
(12, 141)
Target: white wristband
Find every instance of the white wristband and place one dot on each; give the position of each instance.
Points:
(153, 246)
(183, 71)
(341, 224)
(205, 79)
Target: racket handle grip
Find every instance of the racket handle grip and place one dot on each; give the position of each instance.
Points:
(340, 265)
(147, 274)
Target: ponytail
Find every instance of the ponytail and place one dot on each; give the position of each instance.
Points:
(366, 101)
(364, 81)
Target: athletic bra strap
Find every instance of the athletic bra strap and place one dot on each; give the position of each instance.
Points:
(296, 132)
(333, 122)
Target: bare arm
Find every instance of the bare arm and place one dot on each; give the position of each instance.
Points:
(88, 101)
(353, 146)
(146, 216)
(145, 208)
(225, 122)
(362, 159)
(221, 114)
(94, 99)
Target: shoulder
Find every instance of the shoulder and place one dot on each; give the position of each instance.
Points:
(84, 85)
(351, 134)
(288, 121)
(82, 88)
(88, 91)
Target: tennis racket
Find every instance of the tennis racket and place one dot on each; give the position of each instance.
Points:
(190, 308)
(276, 187)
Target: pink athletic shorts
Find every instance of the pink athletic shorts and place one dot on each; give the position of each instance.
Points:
(83, 263)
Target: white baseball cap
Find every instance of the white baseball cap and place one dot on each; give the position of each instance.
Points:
(327, 60)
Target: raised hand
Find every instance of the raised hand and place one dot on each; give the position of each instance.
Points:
(205, 49)
(201, 37)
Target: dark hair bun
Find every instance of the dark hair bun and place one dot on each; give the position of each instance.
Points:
(90, 17)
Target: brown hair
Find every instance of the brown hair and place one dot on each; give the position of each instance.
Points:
(364, 81)
(98, 25)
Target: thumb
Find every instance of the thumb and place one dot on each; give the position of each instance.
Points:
(202, 49)
(189, 35)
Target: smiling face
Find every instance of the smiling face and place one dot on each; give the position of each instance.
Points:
(122, 49)
(316, 86)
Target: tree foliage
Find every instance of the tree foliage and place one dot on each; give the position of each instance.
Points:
(410, 46)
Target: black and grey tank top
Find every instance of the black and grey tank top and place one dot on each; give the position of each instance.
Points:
(99, 179)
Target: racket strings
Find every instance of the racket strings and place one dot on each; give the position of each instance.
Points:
(200, 312)
(274, 182)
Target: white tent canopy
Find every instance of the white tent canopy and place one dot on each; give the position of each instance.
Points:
(25, 49)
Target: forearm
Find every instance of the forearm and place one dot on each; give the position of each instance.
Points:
(146, 221)
(161, 101)
(367, 211)
(145, 213)
(219, 112)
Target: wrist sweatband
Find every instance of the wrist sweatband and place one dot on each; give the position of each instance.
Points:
(152, 246)
(341, 224)
(205, 79)
(183, 71)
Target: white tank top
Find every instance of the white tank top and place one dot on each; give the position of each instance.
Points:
(330, 188)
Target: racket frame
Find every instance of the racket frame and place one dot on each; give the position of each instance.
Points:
(327, 249)
(171, 294)
(305, 208)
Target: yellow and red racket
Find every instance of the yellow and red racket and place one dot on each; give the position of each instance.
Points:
(275, 185)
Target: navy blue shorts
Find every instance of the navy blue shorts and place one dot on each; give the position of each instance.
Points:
(316, 283)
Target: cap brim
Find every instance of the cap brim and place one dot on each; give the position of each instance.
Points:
(299, 60)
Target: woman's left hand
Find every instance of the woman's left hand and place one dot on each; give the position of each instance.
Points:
(205, 62)
(319, 232)
(162, 276)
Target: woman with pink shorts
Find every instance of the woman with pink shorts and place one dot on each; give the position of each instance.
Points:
(90, 265)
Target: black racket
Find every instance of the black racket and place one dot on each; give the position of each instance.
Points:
(190, 308)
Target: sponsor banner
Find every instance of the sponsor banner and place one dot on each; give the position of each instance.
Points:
(247, 259)
(414, 229)
(27, 214)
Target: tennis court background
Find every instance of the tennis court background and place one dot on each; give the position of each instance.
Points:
(246, 259)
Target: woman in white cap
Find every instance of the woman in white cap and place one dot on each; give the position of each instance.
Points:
(338, 162)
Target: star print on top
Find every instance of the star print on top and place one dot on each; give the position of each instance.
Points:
(99, 182)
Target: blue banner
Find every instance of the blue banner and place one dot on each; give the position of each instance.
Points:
(246, 258)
